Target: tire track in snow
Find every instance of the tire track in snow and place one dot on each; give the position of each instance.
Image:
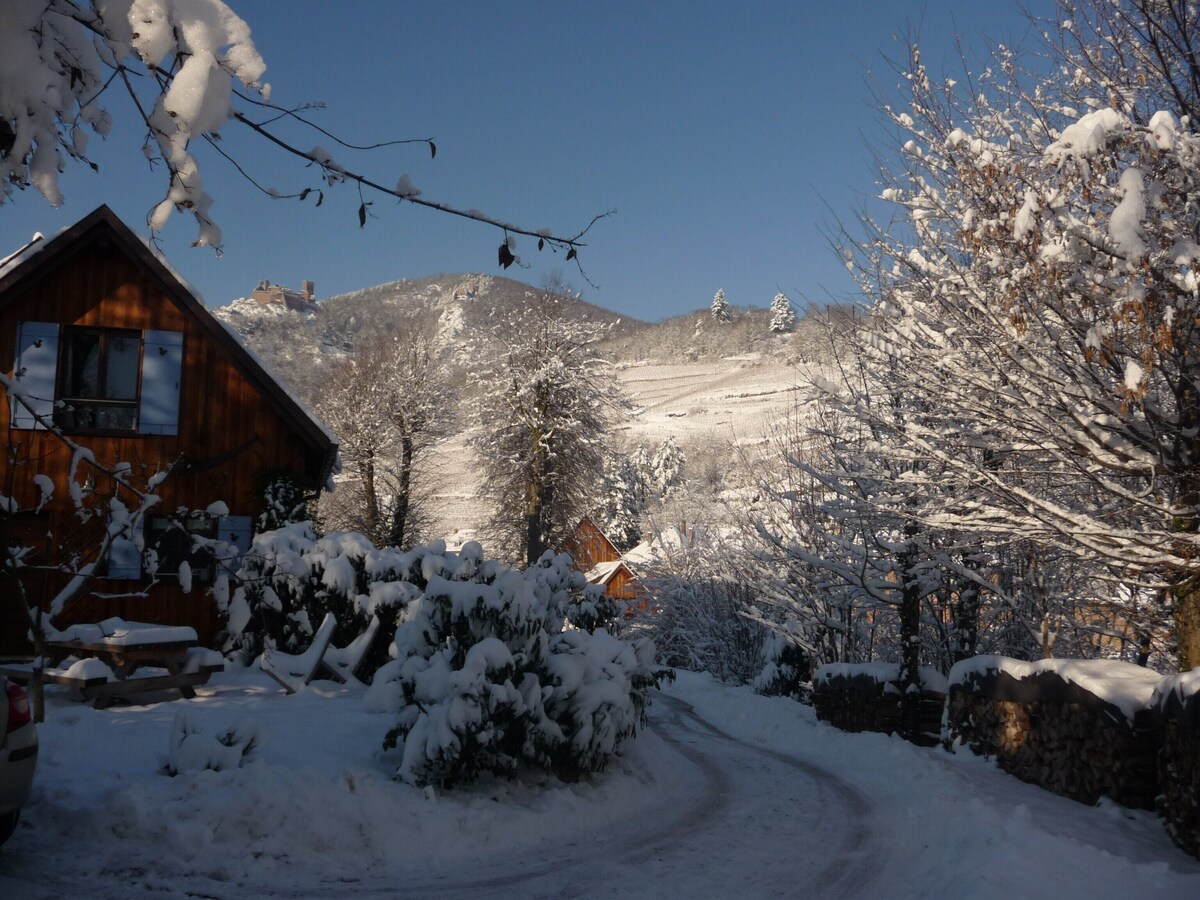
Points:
(714, 833)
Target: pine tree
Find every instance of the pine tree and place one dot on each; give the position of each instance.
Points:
(783, 318)
(666, 467)
(720, 307)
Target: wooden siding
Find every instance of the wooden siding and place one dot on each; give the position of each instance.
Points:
(230, 437)
(590, 546)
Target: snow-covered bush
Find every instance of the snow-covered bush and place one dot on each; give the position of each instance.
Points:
(289, 580)
(284, 503)
(488, 678)
(786, 671)
(192, 749)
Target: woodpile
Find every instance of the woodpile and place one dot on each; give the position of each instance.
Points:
(863, 703)
(1179, 769)
(1059, 737)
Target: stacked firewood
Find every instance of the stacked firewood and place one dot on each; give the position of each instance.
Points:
(1082, 750)
(1179, 768)
(862, 703)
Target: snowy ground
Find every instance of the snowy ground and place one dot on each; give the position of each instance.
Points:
(726, 793)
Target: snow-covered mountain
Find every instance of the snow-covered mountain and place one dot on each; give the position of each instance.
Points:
(717, 388)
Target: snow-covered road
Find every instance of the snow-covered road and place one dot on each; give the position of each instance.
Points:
(727, 795)
(748, 822)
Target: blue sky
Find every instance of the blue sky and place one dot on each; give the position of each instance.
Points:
(729, 137)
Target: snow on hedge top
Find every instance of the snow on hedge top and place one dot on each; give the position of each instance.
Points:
(882, 672)
(1128, 687)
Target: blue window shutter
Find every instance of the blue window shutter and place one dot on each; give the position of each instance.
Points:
(36, 369)
(124, 557)
(162, 369)
(238, 531)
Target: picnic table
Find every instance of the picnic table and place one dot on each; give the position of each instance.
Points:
(108, 655)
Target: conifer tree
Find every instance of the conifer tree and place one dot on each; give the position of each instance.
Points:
(720, 307)
(783, 318)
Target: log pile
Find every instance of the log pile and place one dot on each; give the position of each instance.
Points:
(1179, 766)
(1057, 736)
(861, 702)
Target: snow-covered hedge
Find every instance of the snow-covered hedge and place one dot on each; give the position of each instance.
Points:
(1177, 702)
(1080, 728)
(489, 676)
(492, 668)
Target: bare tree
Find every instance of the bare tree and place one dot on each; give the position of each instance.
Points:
(389, 404)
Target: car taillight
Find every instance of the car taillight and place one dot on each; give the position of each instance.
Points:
(18, 708)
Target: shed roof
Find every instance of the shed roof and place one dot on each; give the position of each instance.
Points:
(36, 259)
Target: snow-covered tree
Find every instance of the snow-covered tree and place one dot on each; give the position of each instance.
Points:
(622, 501)
(488, 680)
(188, 69)
(720, 310)
(783, 317)
(1041, 301)
(388, 405)
(699, 619)
(666, 467)
(544, 413)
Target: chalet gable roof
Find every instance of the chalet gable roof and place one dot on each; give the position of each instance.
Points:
(102, 224)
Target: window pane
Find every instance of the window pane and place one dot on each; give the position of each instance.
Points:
(115, 418)
(83, 365)
(122, 367)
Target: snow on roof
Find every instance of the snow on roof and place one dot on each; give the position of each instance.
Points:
(602, 573)
(19, 255)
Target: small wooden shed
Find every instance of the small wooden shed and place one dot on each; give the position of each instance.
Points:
(118, 360)
(602, 563)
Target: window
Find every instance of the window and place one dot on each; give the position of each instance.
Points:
(171, 539)
(97, 379)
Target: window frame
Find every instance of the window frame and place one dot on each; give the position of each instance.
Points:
(61, 401)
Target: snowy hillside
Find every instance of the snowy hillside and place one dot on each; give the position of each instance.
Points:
(716, 388)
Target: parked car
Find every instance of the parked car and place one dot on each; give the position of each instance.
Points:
(18, 754)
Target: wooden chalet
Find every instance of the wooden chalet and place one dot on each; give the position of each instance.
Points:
(119, 358)
(602, 563)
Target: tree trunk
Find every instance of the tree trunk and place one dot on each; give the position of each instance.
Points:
(534, 502)
(371, 512)
(910, 645)
(966, 619)
(1187, 625)
(399, 531)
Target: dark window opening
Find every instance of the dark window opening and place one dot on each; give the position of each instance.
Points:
(172, 541)
(99, 380)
